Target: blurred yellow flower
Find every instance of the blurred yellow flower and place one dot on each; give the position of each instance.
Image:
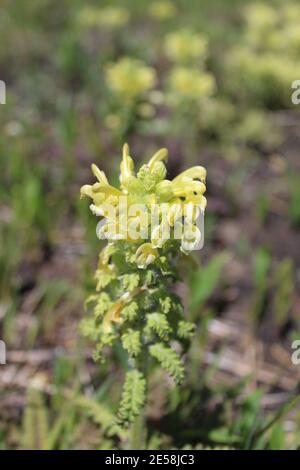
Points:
(268, 74)
(261, 16)
(110, 17)
(112, 121)
(291, 13)
(185, 45)
(188, 83)
(267, 63)
(130, 78)
(162, 10)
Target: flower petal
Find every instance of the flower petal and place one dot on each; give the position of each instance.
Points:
(196, 172)
(162, 154)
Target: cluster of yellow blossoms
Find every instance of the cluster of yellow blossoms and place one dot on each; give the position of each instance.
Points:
(185, 45)
(162, 10)
(130, 78)
(190, 84)
(126, 210)
(266, 62)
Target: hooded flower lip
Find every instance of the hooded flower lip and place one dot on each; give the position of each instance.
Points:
(159, 156)
(147, 188)
(194, 173)
(100, 175)
(126, 167)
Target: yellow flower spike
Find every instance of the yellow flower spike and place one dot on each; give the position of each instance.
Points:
(145, 255)
(196, 172)
(100, 175)
(149, 189)
(162, 154)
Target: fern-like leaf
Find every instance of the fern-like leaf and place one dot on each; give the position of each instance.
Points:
(185, 329)
(133, 396)
(169, 360)
(158, 323)
(131, 341)
(100, 414)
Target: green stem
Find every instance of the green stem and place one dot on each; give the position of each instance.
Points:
(138, 431)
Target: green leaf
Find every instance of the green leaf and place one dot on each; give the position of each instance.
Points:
(133, 396)
(131, 341)
(185, 329)
(35, 422)
(169, 360)
(157, 323)
(204, 281)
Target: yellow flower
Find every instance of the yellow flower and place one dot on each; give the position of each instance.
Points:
(110, 17)
(194, 173)
(162, 10)
(114, 314)
(191, 185)
(130, 78)
(261, 16)
(191, 238)
(145, 255)
(147, 206)
(185, 45)
(190, 84)
(159, 156)
(126, 167)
